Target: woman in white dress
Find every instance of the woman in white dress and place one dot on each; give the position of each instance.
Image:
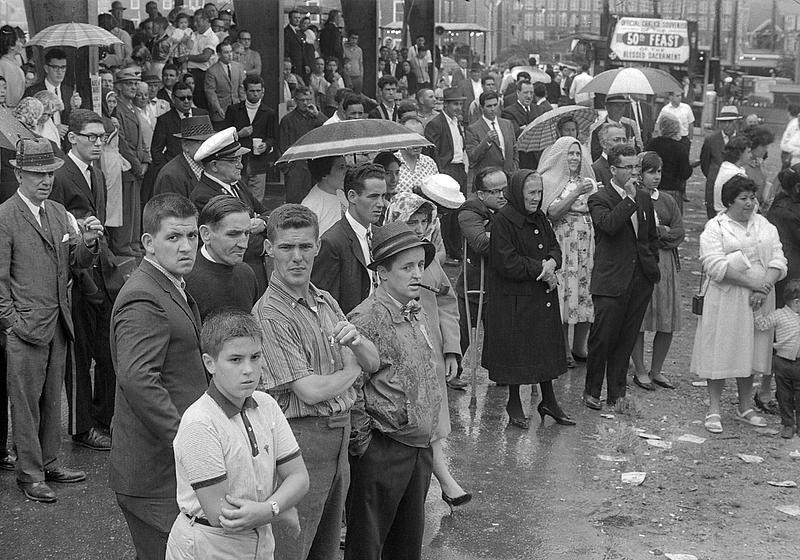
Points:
(742, 258)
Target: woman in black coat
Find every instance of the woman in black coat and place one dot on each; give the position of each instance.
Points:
(674, 154)
(785, 216)
(523, 342)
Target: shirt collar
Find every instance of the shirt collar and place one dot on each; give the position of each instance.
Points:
(228, 188)
(206, 254)
(394, 307)
(620, 191)
(521, 105)
(276, 284)
(360, 230)
(29, 203)
(83, 167)
(178, 282)
(450, 120)
(489, 123)
(225, 404)
(50, 86)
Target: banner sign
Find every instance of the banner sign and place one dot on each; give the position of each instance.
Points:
(651, 40)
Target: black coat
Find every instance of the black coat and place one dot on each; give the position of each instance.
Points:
(676, 168)
(523, 342)
(265, 126)
(175, 177)
(340, 268)
(164, 145)
(785, 216)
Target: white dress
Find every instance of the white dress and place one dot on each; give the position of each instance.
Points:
(726, 343)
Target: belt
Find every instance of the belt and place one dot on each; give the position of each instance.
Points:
(787, 359)
(333, 422)
(198, 520)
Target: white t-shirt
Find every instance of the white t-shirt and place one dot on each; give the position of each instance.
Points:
(683, 113)
(329, 208)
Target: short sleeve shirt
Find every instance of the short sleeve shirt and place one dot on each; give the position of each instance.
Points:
(212, 446)
(203, 41)
(408, 179)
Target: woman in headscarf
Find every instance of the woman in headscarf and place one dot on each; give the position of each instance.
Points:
(111, 162)
(663, 315)
(568, 180)
(523, 342)
(441, 309)
(51, 103)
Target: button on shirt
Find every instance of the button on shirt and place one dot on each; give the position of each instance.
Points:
(458, 141)
(624, 194)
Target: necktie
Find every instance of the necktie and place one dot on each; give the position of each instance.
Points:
(229, 72)
(186, 115)
(57, 114)
(45, 226)
(500, 144)
(373, 276)
(410, 310)
(235, 191)
(90, 171)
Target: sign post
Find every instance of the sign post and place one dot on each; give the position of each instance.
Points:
(651, 40)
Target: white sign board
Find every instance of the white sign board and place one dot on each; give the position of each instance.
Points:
(651, 40)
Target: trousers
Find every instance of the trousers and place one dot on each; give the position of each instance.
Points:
(787, 389)
(149, 522)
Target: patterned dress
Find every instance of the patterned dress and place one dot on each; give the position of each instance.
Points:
(575, 236)
(409, 179)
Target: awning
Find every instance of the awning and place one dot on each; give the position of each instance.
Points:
(452, 27)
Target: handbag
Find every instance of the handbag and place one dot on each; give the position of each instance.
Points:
(699, 298)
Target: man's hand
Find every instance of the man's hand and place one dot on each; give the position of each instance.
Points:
(257, 225)
(92, 230)
(346, 334)
(630, 188)
(62, 130)
(493, 137)
(244, 514)
(75, 101)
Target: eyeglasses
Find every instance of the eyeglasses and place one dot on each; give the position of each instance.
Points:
(183, 97)
(93, 138)
(58, 67)
(628, 167)
(494, 192)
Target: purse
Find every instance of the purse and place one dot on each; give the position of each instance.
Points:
(699, 298)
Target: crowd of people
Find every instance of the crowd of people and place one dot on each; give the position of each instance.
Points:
(263, 377)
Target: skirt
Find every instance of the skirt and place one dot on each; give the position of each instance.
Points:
(664, 312)
(575, 236)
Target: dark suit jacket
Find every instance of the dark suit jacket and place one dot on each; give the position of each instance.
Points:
(710, 160)
(164, 145)
(162, 94)
(330, 42)
(676, 168)
(265, 126)
(617, 246)
(482, 153)
(382, 112)
(596, 148)
(205, 189)
(539, 109)
(32, 265)
(155, 347)
(648, 119)
(176, 177)
(340, 267)
(293, 49)
(602, 171)
(465, 87)
(516, 114)
(438, 132)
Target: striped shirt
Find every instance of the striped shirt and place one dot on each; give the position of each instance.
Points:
(298, 341)
(787, 331)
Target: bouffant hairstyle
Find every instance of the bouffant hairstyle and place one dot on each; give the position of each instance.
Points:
(735, 186)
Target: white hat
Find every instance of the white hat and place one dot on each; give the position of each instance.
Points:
(729, 113)
(443, 190)
(223, 144)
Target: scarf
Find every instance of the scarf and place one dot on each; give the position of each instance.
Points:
(555, 172)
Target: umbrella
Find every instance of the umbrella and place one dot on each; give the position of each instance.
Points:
(353, 137)
(73, 35)
(645, 81)
(541, 132)
(11, 130)
(536, 74)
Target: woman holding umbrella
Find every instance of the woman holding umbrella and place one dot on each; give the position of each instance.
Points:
(523, 342)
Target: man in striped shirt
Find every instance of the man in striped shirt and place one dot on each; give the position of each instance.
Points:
(313, 356)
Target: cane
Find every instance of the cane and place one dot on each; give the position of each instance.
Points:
(473, 330)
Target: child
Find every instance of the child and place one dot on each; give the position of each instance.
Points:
(238, 465)
(786, 362)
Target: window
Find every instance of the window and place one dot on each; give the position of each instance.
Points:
(397, 10)
(539, 35)
(551, 19)
(586, 5)
(573, 5)
(703, 7)
(528, 34)
(551, 5)
(702, 25)
(528, 19)
(530, 4)
(562, 19)
(539, 19)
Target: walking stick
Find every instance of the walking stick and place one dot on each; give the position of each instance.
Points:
(473, 330)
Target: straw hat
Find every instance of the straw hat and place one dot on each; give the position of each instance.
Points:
(36, 155)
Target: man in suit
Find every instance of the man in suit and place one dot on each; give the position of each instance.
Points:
(341, 265)
(490, 141)
(540, 104)
(257, 126)
(293, 43)
(155, 346)
(520, 113)
(202, 56)
(221, 158)
(625, 269)
(712, 151)
(486, 84)
(181, 173)
(39, 246)
(511, 93)
(446, 133)
(610, 135)
(387, 106)
(302, 119)
(615, 106)
(641, 112)
(117, 8)
(169, 77)
(166, 145)
(224, 85)
(80, 187)
(55, 69)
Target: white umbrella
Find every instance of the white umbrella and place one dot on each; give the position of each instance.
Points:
(641, 80)
(73, 35)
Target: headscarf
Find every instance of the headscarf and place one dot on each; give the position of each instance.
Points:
(406, 204)
(515, 197)
(28, 112)
(554, 169)
(108, 124)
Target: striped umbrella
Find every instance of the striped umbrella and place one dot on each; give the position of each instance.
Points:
(536, 74)
(73, 35)
(542, 132)
(637, 79)
(353, 137)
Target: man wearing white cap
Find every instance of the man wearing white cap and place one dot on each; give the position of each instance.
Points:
(221, 158)
(712, 150)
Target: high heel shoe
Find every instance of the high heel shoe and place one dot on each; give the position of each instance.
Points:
(457, 501)
(555, 413)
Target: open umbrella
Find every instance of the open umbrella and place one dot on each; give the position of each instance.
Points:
(536, 74)
(11, 130)
(637, 79)
(73, 35)
(541, 132)
(353, 137)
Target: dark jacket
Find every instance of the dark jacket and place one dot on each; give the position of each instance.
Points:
(785, 216)
(596, 148)
(676, 168)
(340, 268)
(710, 159)
(437, 132)
(475, 221)
(155, 347)
(164, 145)
(602, 171)
(519, 118)
(330, 42)
(265, 126)
(293, 49)
(617, 246)
(176, 177)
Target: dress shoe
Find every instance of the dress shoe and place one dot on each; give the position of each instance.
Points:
(64, 475)
(8, 463)
(646, 385)
(457, 501)
(592, 402)
(37, 491)
(578, 357)
(457, 383)
(93, 439)
(662, 381)
(522, 422)
(554, 411)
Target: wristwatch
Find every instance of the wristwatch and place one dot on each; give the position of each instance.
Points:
(276, 510)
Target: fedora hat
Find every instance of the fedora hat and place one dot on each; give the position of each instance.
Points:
(224, 144)
(195, 128)
(452, 94)
(729, 113)
(129, 74)
(394, 238)
(36, 155)
(617, 98)
(443, 190)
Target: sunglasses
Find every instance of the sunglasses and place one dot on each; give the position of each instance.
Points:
(183, 97)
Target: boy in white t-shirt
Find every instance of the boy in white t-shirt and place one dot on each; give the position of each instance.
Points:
(238, 466)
